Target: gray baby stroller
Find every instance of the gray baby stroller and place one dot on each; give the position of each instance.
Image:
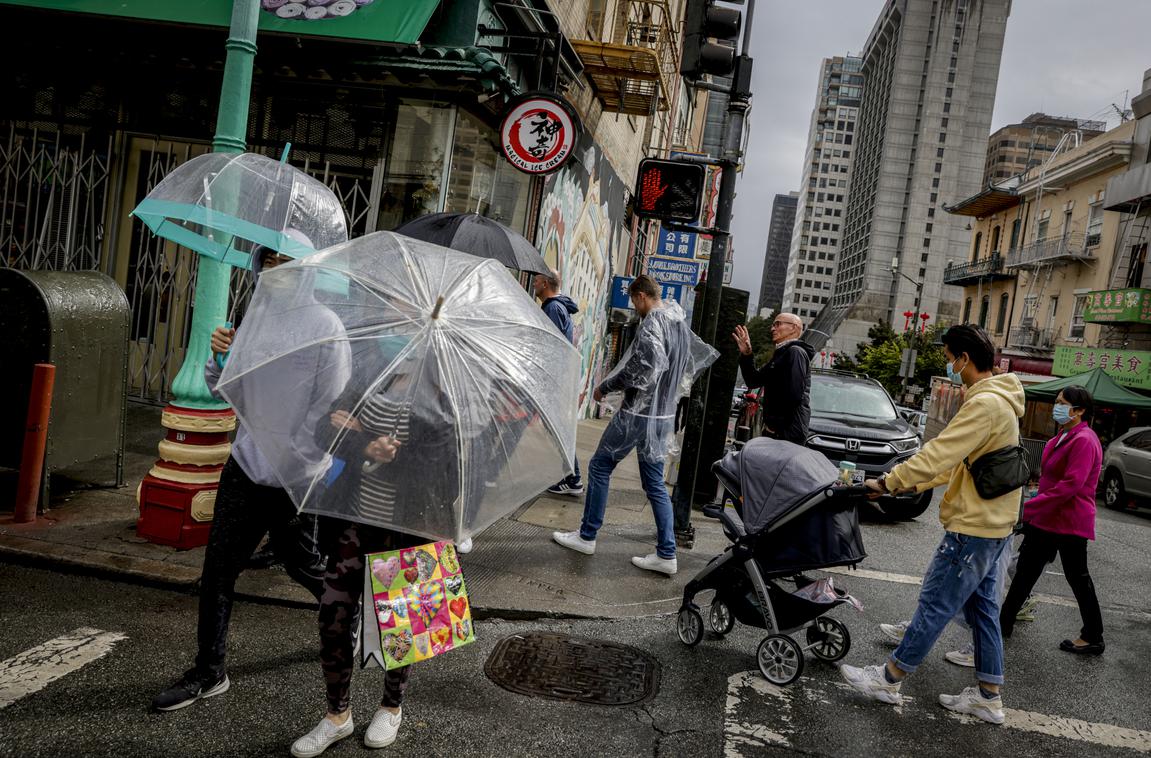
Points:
(786, 514)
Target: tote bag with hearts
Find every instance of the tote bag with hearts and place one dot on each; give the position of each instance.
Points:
(415, 605)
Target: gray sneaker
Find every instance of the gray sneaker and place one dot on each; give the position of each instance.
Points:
(871, 681)
(972, 702)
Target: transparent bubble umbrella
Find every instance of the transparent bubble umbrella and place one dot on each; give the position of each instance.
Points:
(221, 205)
(460, 401)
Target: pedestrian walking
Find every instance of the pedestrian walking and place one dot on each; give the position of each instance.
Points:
(1060, 519)
(251, 502)
(559, 308)
(652, 377)
(963, 571)
(786, 378)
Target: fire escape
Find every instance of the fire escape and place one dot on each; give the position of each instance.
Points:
(633, 73)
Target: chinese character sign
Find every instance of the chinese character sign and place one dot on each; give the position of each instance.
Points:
(676, 244)
(1126, 306)
(1129, 368)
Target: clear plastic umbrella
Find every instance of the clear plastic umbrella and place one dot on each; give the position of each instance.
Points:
(461, 404)
(222, 205)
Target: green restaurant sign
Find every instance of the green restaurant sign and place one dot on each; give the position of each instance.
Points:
(1130, 368)
(1127, 306)
(398, 21)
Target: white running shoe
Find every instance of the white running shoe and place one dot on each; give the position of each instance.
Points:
(895, 632)
(964, 656)
(322, 737)
(464, 546)
(652, 562)
(383, 729)
(573, 541)
(972, 702)
(871, 681)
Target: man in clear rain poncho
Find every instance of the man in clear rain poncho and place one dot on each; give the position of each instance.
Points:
(653, 374)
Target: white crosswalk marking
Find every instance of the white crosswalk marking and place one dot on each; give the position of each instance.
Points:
(36, 668)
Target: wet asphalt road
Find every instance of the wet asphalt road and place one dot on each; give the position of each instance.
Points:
(706, 704)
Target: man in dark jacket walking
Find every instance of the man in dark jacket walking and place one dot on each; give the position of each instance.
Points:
(786, 378)
(559, 308)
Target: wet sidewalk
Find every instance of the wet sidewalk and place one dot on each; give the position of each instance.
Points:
(514, 570)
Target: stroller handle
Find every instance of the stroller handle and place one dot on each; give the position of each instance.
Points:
(855, 490)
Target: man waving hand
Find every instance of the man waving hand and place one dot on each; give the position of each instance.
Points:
(786, 378)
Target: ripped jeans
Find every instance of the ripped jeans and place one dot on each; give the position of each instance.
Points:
(962, 576)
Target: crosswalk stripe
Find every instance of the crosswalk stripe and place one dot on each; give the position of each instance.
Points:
(37, 667)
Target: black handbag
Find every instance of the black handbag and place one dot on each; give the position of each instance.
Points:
(999, 472)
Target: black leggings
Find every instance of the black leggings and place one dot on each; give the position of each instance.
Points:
(244, 513)
(1038, 549)
(343, 589)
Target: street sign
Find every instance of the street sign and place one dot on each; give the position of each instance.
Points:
(727, 272)
(676, 244)
(620, 298)
(907, 363)
(669, 190)
(674, 271)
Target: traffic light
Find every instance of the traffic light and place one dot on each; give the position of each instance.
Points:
(705, 21)
(669, 190)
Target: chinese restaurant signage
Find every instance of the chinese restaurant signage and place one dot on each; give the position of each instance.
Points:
(1129, 306)
(1130, 368)
(538, 133)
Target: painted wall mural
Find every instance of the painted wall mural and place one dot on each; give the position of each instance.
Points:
(582, 235)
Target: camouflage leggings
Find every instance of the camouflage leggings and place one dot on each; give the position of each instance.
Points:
(343, 587)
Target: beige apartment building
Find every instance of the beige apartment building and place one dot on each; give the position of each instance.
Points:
(1042, 252)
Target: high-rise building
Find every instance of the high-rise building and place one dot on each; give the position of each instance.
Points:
(778, 249)
(931, 68)
(827, 166)
(1018, 148)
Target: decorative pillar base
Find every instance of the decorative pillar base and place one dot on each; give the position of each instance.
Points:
(178, 495)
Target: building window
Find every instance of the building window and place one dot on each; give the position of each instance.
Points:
(1095, 225)
(948, 94)
(947, 107)
(1054, 306)
(975, 247)
(1041, 229)
(967, 311)
(984, 309)
(938, 167)
(1077, 326)
(939, 152)
(1014, 234)
(1138, 262)
(995, 240)
(1030, 304)
(1001, 319)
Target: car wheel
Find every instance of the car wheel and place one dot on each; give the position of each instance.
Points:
(1114, 493)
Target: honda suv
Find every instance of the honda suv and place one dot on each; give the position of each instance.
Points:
(854, 419)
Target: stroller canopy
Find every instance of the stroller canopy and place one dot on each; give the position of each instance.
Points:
(773, 476)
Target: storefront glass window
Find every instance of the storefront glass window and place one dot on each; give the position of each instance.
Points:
(415, 162)
(481, 180)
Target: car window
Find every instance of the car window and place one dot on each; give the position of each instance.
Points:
(857, 398)
(1140, 441)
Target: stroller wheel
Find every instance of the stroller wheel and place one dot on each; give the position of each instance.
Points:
(720, 618)
(828, 639)
(689, 626)
(780, 659)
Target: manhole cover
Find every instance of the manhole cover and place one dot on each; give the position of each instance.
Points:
(561, 667)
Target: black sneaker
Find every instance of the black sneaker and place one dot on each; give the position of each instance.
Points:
(191, 687)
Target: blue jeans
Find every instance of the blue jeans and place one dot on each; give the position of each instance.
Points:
(962, 575)
(624, 433)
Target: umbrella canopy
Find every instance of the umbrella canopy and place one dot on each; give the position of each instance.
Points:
(222, 205)
(477, 235)
(1104, 390)
(449, 358)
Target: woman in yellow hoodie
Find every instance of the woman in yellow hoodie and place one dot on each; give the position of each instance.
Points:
(962, 574)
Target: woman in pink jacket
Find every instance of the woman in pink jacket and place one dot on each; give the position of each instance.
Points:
(1061, 518)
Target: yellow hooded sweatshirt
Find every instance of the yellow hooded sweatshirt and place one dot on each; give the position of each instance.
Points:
(987, 421)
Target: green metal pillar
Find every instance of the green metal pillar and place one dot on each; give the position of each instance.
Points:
(210, 305)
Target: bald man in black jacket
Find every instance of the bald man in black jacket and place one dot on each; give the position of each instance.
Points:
(786, 378)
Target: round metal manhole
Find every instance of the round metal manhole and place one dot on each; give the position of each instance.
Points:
(562, 667)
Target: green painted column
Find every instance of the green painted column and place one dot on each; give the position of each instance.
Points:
(210, 304)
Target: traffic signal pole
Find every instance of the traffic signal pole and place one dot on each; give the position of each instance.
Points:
(739, 102)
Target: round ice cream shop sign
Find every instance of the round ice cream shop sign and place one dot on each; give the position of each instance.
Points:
(538, 134)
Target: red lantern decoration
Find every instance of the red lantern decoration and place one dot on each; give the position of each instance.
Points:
(907, 316)
(925, 317)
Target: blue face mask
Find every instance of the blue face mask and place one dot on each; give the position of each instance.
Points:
(1061, 413)
(955, 376)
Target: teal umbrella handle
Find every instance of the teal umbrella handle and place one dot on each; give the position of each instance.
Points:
(221, 357)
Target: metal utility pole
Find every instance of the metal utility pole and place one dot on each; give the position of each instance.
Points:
(913, 342)
(739, 101)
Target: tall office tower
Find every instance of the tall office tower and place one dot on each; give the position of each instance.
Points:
(778, 248)
(931, 68)
(1016, 148)
(827, 166)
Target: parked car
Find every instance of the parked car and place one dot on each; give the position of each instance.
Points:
(915, 417)
(1127, 468)
(737, 399)
(853, 418)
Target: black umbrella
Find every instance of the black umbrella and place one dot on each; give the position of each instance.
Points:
(476, 235)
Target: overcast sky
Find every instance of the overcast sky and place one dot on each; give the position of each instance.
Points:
(1063, 57)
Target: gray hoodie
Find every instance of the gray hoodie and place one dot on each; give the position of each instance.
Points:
(333, 359)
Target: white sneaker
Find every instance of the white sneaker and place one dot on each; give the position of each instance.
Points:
(895, 632)
(383, 729)
(573, 541)
(652, 562)
(964, 656)
(871, 681)
(464, 546)
(972, 702)
(322, 737)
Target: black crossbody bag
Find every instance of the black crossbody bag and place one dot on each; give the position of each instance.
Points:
(999, 472)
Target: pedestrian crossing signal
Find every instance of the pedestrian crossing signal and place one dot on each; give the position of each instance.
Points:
(669, 190)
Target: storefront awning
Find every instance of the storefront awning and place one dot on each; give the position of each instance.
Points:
(987, 203)
(448, 65)
(1105, 390)
(626, 78)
